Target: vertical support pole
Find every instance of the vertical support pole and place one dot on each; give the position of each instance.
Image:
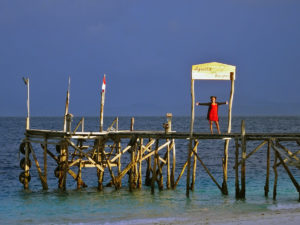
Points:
(268, 169)
(154, 168)
(119, 159)
(243, 166)
(139, 185)
(275, 176)
(173, 165)
(79, 181)
(82, 124)
(148, 171)
(226, 145)
(168, 184)
(132, 124)
(45, 161)
(100, 144)
(194, 167)
(26, 169)
(237, 185)
(63, 163)
(191, 138)
(160, 182)
(102, 103)
(28, 106)
(67, 106)
(117, 123)
(68, 122)
(169, 129)
(132, 185)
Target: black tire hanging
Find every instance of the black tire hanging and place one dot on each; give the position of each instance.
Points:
(22, 163)
(22, 148)
(22, 177)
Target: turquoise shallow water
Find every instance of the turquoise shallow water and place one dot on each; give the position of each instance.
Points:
(88, 206)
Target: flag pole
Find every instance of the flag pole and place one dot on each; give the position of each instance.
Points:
(26, 81)
(67, 105)
(102, 103)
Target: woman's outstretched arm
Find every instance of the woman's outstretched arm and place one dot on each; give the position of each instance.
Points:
(198, 103)
(222, 103)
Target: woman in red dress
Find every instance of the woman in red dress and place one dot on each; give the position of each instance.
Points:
(212, 114)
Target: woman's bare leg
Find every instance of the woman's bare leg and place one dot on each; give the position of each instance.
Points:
(211, 128)
(218, 127)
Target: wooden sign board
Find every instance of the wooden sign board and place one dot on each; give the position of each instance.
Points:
(212, 71)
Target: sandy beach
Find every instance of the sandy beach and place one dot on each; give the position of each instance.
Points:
(274, 217)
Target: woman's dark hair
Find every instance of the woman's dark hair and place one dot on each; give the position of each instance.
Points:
(213, 97)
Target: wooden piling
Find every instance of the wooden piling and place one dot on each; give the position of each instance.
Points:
(100, 145)
(194, 165)
(63, 165)
(168, 184)
(139, 185)
(268, 169)
(173, 165)
(132, 124)
(226, 144)
(119, 162)
(148, 170)
(132, 185)
(275, 176)
(79, 181)
(155, 161)
(237, 185)
(26, 169)
(243, 166)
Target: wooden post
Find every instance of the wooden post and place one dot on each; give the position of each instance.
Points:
(102, 103)
(68, 122)
(148, 171)
(243, 166)
(139, 185)
(174, 164)
(45, 160)
(63, 164)
(119, 162)
(268, 169)
(132, 170)
(132, 124)
(194, 166)
(226, 145)
(100, 144)
(169, 129)
(79, 180)
(67, 106)
(26, 169)
(275, 176)
(155, 161)
(237, 185)
(191, 138)
(28, 103)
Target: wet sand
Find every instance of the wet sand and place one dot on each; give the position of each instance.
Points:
(274, 217)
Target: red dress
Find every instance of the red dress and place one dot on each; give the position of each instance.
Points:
(212, 114)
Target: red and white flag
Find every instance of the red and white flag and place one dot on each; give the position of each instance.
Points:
(103, 84)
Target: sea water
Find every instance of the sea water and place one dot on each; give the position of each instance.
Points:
(90, 206)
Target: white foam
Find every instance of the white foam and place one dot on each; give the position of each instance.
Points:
(284, 206)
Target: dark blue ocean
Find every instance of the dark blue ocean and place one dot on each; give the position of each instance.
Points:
(89, 206)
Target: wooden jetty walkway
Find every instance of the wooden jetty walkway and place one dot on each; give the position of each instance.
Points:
(154, 149)
(105, 150)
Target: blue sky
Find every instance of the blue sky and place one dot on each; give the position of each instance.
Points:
(147, 48)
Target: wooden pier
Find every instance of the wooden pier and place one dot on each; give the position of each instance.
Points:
(156, 150)
(122, 153)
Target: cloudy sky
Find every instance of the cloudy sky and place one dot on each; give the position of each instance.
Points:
(147, 48)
